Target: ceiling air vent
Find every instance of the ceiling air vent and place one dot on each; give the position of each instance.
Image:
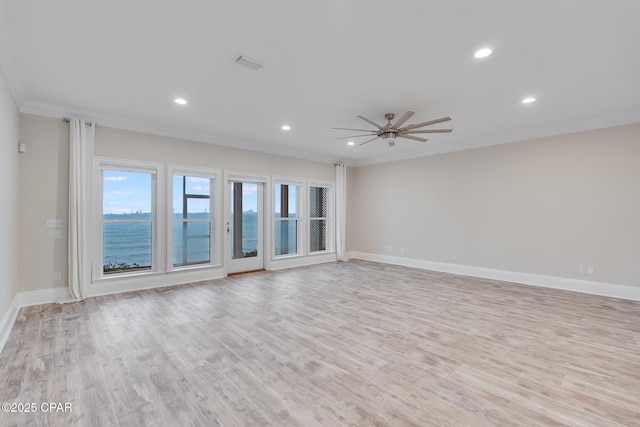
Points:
(249, 62)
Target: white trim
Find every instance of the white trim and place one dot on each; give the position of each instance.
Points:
(264, 234)
(159, 280)
(442, 147)
(57, 111)
(8, 320)
(53, 295)
(302, 261)
(276, 179)
(158, 216)
(567, 284)
(48, 109)
(44, 296)
(330, 218)
(216, 214)
(300, 183)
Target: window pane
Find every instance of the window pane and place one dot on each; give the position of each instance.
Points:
(285, 208)
(198, 208)
(127, 247)
(177, 196)
(249, 233)
(197, 197)
(191, 243)
(126, 192)
(318, 235)
(318, 202)
(127, 215)
(286, 236)
(244, 220)
(198, 185)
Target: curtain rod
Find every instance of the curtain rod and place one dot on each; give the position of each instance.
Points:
(67, 120)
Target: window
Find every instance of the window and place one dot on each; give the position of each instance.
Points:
(320, 212)
(286, 219)
(192, 220)
(128, 220)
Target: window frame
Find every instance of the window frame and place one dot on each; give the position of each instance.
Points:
(300, 216)
(215, 207)
(157, 239)
(330, 218)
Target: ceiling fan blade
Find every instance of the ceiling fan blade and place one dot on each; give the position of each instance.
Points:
(406, 116)
(370, 122)
(415, 138)
(429, 123)
(356, 136)
(428, 131)
(368, 141)
(359, 130)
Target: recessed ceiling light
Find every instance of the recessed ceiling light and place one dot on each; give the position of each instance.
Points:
(482, 53)
(351, 143)
(180, 101)
(528, 100)
(286, 127)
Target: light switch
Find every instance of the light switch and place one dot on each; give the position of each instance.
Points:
(54, 223)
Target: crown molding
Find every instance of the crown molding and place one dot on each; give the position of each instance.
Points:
(119, 122)
(52, 110)
(469, 144)
(57, 111)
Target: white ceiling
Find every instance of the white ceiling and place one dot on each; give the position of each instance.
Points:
(122, 63)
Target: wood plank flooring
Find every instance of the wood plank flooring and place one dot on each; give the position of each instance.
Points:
(355, 343)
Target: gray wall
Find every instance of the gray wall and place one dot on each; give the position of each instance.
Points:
(544, 207)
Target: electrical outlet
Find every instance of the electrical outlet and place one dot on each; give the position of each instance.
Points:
(57, 275)
(582, 269)
(389, 248)
(590, 269)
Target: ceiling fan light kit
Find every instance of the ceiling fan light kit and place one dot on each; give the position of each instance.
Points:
(389, 132)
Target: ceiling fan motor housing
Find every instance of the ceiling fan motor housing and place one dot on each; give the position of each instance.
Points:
(389, 137)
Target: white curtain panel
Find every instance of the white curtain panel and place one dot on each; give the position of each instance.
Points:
(81, 138)
(341, 211)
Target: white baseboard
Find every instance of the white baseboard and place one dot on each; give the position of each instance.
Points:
(6, 324)
(44, 296)
(298, 261)
(583, 286)
(140, 283)
(26, 299)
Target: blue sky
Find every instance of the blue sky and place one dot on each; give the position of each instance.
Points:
(130, 192)
(125, 192)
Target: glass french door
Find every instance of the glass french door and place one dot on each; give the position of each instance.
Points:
(245, 226)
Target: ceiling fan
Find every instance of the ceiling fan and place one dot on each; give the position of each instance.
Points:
(390, 132)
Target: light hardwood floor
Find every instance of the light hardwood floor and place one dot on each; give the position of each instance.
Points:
(355, 343)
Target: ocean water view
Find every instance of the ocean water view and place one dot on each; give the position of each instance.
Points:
(130, 241)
